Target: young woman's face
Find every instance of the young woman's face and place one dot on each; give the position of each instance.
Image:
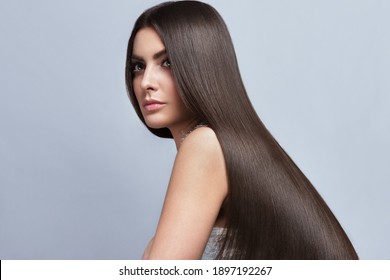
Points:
(153, 84)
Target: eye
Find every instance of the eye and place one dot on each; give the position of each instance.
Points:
(137, 67)
(166, 63)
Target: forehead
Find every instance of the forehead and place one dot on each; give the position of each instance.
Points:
(147, 42)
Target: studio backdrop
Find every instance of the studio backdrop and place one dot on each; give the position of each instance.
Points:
(82, 178)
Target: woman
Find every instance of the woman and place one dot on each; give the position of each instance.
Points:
(234, 193)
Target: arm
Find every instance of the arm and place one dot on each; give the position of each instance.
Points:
(197, 188)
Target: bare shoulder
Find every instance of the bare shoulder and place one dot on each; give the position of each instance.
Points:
(201, 140)
(200, 156)
(201, 152)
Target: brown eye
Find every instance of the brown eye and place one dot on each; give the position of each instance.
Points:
(137, 67)
(166, 63)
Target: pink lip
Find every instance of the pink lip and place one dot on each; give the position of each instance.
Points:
(152, 105)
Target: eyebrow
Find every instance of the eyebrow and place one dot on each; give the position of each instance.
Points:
(157, 55)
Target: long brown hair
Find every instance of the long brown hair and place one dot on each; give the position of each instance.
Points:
(272, 209)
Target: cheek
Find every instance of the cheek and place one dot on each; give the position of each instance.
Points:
(170, 86)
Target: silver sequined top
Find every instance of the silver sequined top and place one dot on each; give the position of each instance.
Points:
(213, 244)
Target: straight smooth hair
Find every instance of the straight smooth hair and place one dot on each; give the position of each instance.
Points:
(272, 209)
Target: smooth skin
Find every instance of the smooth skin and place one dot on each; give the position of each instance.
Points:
(198, 183)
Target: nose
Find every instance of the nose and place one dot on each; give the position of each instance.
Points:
(148, 82)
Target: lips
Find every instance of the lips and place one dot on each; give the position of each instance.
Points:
(152, 105)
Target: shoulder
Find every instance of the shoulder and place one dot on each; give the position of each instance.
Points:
(200, 162)
(202, 140)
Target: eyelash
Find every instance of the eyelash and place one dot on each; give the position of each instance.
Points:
(166, 61)
(134, 66)
(138, 67)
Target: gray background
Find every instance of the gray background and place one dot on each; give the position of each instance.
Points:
(81, 178)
